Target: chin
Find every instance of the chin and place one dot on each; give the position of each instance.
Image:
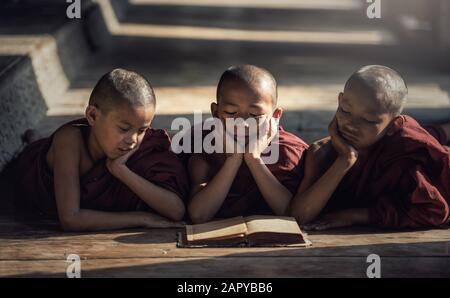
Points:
(113, 155)
(355, 145)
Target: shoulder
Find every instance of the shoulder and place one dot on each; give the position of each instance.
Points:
(66, 144)
(406, 133)
(291, 146)
(291, 140)
(155, 139)
(67, 136)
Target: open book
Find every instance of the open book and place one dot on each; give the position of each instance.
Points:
(258, 230)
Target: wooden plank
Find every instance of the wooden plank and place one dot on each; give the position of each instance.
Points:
(161, 243)
(49, 230)
(232, 267)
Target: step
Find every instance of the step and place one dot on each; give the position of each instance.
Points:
(279, 15)
(41, 52)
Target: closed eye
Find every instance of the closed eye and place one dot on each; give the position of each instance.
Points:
(123, 129)
(343, 111)
(371, 122)
(230, 113)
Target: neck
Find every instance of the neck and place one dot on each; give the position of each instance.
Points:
(94, 149)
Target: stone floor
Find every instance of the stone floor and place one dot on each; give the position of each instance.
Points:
(311, 48)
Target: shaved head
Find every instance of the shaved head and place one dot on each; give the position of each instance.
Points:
(383, 84)
(119, 87)
(256, 78)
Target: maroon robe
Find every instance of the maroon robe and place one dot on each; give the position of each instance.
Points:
(438, 132)
(404, 180)
(244, 197)
(100, 190)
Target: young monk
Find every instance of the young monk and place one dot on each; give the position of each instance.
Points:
(377, 167)
(109, 170)
(240, 183)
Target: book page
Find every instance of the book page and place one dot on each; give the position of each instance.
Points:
(272, 224)
(220, 229)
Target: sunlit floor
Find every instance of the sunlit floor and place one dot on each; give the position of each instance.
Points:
(41, 250)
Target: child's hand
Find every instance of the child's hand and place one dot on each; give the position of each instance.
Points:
(117, 166)
(344, 149)
(151, 220)
(329, 221)
(231, 147)
(257, 145)
(344, 218)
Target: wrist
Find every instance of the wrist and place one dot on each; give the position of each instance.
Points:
(121, 171)
(360, 216)
(346, 162)
(235, 157)
(252, 159)
(143, 219)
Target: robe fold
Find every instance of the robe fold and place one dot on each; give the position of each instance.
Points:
(404, 180)
(100, 190)
(438, 132)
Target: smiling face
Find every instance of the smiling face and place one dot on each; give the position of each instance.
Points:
(361, 119)
(239, 100)
(119, 130)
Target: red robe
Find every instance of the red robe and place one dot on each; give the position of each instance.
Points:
(404, 181)
(438, 132)
(244, 197)
(99, 189)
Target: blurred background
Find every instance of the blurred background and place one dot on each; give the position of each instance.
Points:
(49, 63)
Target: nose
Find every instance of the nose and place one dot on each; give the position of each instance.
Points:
(348, 124)
(351, 128)
(131, 139)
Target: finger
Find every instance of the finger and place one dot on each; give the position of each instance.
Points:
(333, 225)
(308, 227)
(324, 226)
(311, 226)
(332, 127)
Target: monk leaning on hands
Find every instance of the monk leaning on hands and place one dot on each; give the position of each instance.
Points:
(377, 167)
(108, 170)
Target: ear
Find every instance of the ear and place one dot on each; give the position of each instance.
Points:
(214, 109)
(340, 96)
(394, 125)
(92, 114)
(277, 114)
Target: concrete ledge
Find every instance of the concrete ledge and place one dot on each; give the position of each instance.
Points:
(37, 66)
(21, 106)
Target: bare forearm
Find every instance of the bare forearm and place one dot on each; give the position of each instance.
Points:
(92, 220)
(276, 195)
(307, 205)
(159, 199)
(360, 216)
(205, 204)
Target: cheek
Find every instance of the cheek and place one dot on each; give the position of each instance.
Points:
(114, 137)
(371, 134)
(340, 118)
(140, 138)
